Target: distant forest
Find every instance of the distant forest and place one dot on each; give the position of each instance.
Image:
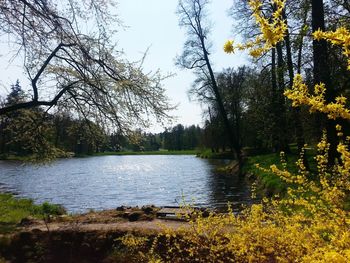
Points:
(25, 132)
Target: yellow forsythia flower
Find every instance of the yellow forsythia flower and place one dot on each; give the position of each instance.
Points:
(273, 30)
(228, 47)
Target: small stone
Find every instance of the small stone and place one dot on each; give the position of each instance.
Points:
(121, 208)
(148, 209)
(62, 218)
(134, 216)
(205, 213)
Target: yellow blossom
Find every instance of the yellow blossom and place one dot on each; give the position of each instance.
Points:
(273, 30)
(228, 47)
(339, 37)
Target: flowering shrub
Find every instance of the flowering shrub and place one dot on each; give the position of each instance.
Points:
(300, 95)
(340, 37)
(273, 30)
(312, 223)
(263, 233)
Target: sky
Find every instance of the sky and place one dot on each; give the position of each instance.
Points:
(153, 25)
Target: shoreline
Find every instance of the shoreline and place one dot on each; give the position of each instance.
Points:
(122, 153)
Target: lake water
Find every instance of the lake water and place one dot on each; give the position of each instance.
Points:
(80, 184)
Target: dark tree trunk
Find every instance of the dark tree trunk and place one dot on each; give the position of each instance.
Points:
(281, 107)
(233, 139)
(211, 132)
(322, 73)
(299, 129)
(274, 110)
(300, 53)
(191, 14)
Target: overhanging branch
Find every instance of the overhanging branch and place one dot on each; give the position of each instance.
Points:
(37, 103)
(43, 67)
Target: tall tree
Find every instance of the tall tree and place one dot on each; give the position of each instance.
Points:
(299, 129)
(322, 73)
(276, 60)
(231, 84)
(192, 15)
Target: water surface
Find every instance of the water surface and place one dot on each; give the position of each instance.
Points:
(80, 184)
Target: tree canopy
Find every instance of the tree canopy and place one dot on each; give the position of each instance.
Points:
(71, 61)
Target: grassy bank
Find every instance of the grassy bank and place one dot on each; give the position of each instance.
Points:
(268, 183)
(13, 210)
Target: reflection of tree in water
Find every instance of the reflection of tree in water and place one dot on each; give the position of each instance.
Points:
(227, 188)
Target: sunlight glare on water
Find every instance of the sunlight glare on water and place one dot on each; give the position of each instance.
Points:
(80, 184)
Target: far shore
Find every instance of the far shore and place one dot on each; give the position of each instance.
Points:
(29, 158)
(160, 152)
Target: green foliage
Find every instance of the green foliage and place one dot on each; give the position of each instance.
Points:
(181, 138)
(269, 183)
(35, 135)
(209, 154)
(47, 209)
(13, 210)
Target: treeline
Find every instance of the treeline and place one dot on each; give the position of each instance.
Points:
(177, 138)
(29, 132)
(260, 116)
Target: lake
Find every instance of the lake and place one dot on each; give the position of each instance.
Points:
(106, 182)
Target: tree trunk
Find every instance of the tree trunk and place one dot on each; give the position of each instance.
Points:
(322, 74)
(299, 129)
(234, 142)
(281, 107)
(274, 110)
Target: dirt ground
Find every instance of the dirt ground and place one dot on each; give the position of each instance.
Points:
(89, 237)
(130, 220)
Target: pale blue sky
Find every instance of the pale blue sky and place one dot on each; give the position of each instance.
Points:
(153, 24)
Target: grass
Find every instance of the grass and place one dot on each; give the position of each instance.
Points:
(13, 210)
(269, 183)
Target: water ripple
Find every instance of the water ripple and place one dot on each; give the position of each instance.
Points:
(110, 181)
